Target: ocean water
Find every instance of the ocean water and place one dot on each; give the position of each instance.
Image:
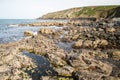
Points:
(11, 33)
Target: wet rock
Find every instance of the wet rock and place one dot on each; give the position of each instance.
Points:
(28, 33)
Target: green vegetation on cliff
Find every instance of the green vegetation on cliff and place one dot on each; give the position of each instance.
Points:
(92, 11)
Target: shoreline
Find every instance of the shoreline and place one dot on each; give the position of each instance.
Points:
(93, 22)
(90, 56)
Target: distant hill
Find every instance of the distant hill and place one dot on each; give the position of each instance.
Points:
(85, 12)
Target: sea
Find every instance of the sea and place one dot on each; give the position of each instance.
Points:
(10, 31)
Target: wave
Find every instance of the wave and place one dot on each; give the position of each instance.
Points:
(13, 25)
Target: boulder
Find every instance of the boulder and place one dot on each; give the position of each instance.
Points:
(90, 43)
(61, 54)
(46, 31)
(87, 43)
(78, 44)
(75, 37)
(110, 29)
(65, 71)
(55, 60)
(28, 33)
(96, 42)
(116, 54)
(100, 43)
(103, 42)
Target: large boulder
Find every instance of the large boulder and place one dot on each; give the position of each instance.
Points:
(28, 33)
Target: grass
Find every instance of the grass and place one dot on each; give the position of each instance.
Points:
(90, 11)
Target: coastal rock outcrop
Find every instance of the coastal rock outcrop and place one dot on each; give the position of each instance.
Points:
(78, 52)
(46, 31)
(13, 63)
(90, 56)
(90, 44)
(53, 23)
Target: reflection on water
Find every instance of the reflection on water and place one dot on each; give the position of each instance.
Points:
(65, 45)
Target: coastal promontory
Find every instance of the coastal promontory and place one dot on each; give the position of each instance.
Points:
(89, 11)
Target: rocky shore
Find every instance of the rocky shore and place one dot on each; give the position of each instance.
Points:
(85, 50)
(53, 23)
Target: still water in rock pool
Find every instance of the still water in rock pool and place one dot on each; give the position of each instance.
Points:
(44, 68)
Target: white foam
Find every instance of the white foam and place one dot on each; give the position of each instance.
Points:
(35, 33)
(14, 25)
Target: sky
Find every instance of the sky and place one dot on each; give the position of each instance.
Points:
(31, 9)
